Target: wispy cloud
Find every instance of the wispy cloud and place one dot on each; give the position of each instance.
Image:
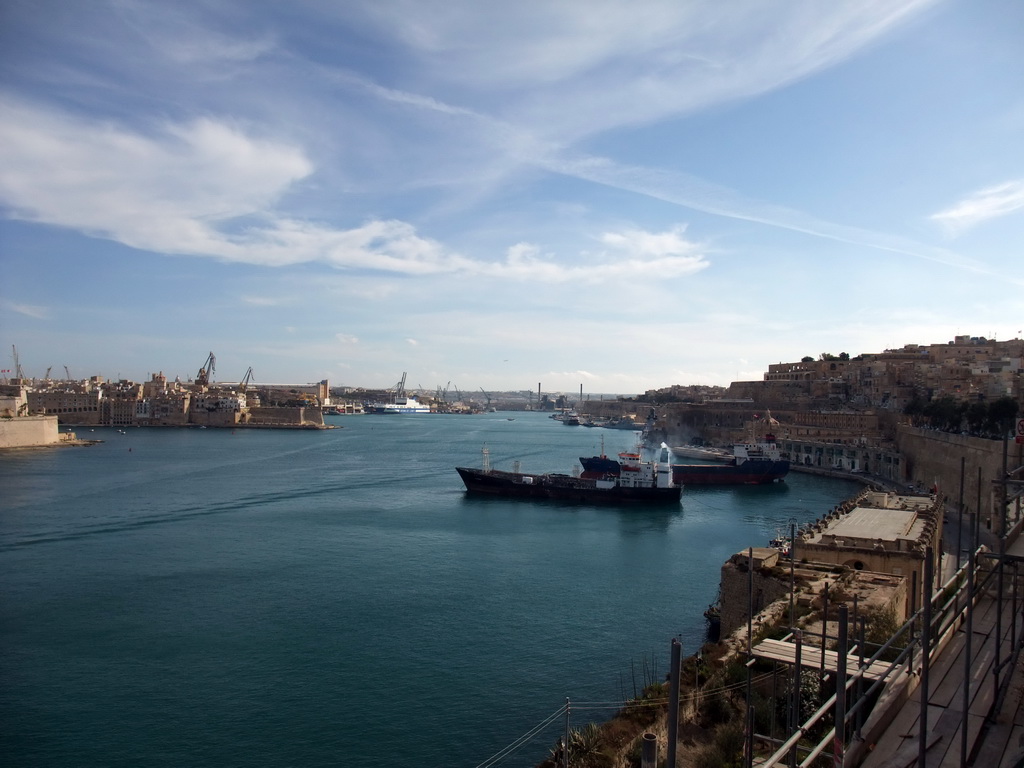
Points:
(346, 338)
(575, 68)
(263, 301)
(209, 189)
(29, 310)
(985, 204)
(692, 192)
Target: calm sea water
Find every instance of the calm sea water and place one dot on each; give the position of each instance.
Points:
(280, 598)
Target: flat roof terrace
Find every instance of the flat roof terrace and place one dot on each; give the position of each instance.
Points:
(890, 518)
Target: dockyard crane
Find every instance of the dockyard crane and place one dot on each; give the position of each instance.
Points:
(47, 377)
(488, 397)
(205, 374)
(67, 373)
(400, 386)
(17, 364)
(245, 380)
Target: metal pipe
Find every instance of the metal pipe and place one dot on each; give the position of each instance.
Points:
(968, 631)
(999, 614)
(799, 638)
(840, 718)
(565, 752)
(649, 751)
(748, 740)
(913, 620)
(860, 677)
(792, 573)
(960, 507)
(824, 628)
(673, 704)
(926, 652)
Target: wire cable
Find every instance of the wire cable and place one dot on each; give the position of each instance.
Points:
(506, 751)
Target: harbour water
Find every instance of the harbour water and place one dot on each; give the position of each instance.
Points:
(292, 598)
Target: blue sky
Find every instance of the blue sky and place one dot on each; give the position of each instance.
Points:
(616, 195)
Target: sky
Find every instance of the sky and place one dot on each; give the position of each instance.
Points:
(617, 196)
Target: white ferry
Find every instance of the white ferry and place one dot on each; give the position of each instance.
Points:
(400, 405)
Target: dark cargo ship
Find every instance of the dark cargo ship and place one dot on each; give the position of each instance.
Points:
(636, 482)
(758, 462)
(752, 464)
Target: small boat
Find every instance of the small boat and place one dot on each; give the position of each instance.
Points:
(637, 482)
(782, 543)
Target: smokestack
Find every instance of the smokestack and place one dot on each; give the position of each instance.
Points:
(538, 391)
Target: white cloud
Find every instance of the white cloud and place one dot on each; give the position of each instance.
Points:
(985, 204)
(262, 301)
(346, 338)
(575, 68)
(161, 191)
(700, 195)
(631, 255)
(29, 310)
(186, 188)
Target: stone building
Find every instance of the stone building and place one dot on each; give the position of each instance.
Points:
(880, 532)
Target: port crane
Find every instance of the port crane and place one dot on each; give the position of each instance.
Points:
(205, 374)
(245, 379)
(486, 396)
(400, 386)
(20, 374)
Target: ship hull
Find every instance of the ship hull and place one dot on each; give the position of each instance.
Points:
(750, 472)
(562, 488)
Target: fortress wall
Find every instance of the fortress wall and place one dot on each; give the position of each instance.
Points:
(933, 458)
(286, 416)
(733, 592)
(28, 431)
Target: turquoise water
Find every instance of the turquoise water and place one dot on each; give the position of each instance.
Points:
(286, 598)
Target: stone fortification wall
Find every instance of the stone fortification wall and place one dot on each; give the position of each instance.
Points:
(770, 583)
(29, 431)
(285, 417)
(214, 418)
(933, 458)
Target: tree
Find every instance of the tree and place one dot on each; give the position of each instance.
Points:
(946, 413)
(977, 415)
(806, 359)
(1001, 414)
